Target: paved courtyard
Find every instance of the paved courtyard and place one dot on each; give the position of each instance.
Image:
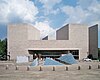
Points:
(47, 72)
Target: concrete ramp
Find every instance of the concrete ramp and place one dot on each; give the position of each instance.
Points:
(35, 62)
(22, 59)
(68, 59)
(49, 61)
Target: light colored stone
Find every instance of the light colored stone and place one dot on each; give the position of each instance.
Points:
(25, 37)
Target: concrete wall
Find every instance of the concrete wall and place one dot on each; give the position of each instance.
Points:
(24, 37)
(78, 35)
(78, 39)
(33, 33)
(18, 36)
(93, 41)
(63, 33)
(17, 40)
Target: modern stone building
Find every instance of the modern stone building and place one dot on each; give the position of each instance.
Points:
(80, 40)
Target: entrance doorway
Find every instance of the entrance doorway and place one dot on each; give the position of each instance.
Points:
(53, 53)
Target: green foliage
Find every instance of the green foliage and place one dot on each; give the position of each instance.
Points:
(99, 52)
(3, 49)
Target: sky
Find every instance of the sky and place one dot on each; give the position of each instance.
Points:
(49, 15)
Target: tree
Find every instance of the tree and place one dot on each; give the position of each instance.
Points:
(90, 56)
(3, 49)
(99, 52)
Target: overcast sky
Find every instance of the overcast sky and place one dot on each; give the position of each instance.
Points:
(48, 15)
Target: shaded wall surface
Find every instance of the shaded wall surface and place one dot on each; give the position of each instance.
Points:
(93, 41)
(63, 33)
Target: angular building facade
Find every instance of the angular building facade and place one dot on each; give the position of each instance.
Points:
(93, 40)
(18, 37)
(24, 40)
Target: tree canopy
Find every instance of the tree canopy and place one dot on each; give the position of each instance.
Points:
(3, 49)
(99, 52)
